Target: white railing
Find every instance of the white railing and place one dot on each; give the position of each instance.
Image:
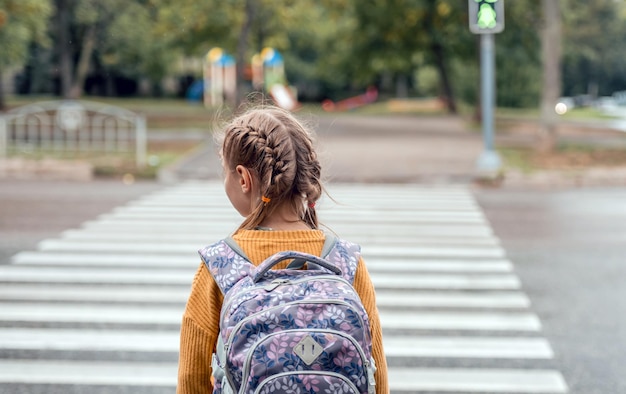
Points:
(71, 127)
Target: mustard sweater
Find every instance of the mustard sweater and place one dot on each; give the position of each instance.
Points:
(200, 325)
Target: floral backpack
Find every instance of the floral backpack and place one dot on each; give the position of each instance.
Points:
(291, 330)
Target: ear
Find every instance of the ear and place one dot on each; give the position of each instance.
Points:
(245, 178)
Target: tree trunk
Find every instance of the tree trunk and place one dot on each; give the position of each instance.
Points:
(64, 46)
(402, 86)
(89, 43)
(551, 55)
(444, 78)
(242, 49)
(438, 52)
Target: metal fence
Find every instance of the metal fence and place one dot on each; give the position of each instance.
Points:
(73, 127)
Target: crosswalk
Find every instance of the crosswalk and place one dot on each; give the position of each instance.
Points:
(98, 309)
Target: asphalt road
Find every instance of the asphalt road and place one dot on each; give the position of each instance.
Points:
(569, 249)
(31, 211)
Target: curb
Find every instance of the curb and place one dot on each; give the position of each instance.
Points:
(46, 169)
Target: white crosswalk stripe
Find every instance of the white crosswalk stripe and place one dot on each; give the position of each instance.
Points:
(101, 305)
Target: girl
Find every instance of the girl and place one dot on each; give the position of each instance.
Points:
(272, 178)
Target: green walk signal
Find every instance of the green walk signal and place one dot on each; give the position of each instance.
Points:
(486, 16)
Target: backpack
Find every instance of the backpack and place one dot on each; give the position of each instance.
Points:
(291, 330)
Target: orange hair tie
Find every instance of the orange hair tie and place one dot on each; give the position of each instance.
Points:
(265, 199)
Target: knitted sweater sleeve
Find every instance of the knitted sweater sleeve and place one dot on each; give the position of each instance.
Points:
(365, 288)
(198, 335)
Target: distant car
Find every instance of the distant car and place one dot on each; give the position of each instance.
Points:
(606, 103)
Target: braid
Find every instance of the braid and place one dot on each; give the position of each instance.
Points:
(278, 149)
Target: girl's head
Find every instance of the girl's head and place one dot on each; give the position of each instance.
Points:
(275, 151)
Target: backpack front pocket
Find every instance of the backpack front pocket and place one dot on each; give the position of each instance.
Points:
(326, 352)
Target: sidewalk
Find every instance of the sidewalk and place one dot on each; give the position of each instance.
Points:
(407, 149)
(371, 149)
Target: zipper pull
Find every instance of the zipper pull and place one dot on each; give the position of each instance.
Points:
(275, 283)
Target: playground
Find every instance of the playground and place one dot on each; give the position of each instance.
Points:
(265, 73)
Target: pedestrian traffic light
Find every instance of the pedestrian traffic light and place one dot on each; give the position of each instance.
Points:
(486, 16)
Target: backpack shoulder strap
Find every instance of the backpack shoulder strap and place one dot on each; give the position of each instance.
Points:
(346, 255)
(227, 263)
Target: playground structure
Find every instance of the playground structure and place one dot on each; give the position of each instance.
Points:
(370, 95)
(220, 78)
(267, 74)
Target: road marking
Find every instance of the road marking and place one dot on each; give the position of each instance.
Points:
(178, 294)
(165, 374)
(344, 216)
(88, 373)
(192, 238)
(379, 251)
(83, 274)
(150, 314)
(187, 260)
(56, 245)
(168, 341)
(464, 347)
(86, 313)
(122, 275)
(89, 340)
(489, 321)
(216, 230)
(354, 219)
(389, 298)
(89, 293)
(446, 282)
(476, 380)
(439, 265)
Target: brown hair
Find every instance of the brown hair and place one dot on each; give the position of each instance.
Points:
(278, 149)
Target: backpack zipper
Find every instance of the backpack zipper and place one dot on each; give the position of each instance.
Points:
(282, 281)
(336, 375)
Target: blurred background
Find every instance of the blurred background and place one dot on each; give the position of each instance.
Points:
(158, 58)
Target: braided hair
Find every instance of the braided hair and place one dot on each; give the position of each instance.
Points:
(278, 149)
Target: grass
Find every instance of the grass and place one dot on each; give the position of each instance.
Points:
(518, 159)
(567, 157)
(588, 113)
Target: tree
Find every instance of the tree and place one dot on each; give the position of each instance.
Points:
(593, 51)
(399, 36)
(21, 22)
(551, 55)
(310, 35)
(113, 36)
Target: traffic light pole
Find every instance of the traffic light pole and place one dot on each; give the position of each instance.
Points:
(489, 162)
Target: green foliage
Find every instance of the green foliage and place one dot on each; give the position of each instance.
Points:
(593, 51)
(334, 47)
(129, 44)
(518, 57)
(21, 22)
